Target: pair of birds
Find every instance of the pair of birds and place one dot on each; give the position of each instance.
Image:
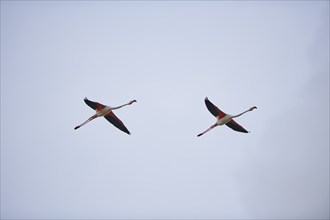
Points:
(106, 111)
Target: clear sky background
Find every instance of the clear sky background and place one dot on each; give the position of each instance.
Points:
(168, 55)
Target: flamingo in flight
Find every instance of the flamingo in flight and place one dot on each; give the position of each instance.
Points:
(223, 118)
(106, 111)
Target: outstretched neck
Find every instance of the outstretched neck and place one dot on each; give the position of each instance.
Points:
(235, 116)
(113, 108)
(129, 103)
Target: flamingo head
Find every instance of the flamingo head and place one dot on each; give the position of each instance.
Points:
(132, 101)
(254, 107)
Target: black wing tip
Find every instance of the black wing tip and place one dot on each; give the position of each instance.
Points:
(243, 131)
(240, 131)
(207, 100)
(86, 100)
(124, 130)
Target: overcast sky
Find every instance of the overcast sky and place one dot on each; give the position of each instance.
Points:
(168, 55)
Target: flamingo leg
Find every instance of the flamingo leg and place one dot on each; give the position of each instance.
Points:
(210, 128)
(85, 122)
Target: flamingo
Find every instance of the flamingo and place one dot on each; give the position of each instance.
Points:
(106, 111)
(223, 118)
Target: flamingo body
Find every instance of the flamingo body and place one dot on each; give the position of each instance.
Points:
(223, 118)
(106, 112)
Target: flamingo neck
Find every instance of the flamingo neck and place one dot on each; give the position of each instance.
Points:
(235, 116)
(113, 108)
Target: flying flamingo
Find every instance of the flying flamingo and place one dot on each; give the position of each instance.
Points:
(106, 111)
(223, 118)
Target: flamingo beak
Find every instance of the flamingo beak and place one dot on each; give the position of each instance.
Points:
(254, 107)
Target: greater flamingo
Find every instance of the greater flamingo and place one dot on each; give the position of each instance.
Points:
(223, 118)
(106, 111)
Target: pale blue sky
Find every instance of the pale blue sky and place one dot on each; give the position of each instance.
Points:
(168, 55)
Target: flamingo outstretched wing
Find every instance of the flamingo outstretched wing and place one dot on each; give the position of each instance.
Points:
(214, 109)
(94, 105)
(233, 125)
(112, 118)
